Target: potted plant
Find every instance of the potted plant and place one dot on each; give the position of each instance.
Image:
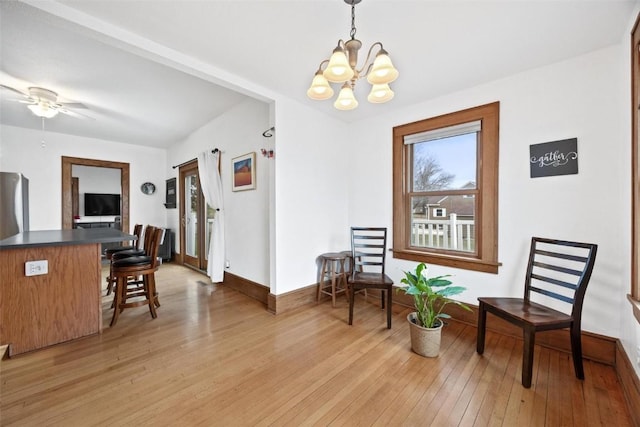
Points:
(430, 296)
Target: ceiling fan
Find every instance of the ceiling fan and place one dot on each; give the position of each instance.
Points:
(44, 102)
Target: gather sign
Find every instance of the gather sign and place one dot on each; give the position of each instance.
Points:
(554, 158)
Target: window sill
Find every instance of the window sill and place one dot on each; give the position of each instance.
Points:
(636, 307)
(449, 261)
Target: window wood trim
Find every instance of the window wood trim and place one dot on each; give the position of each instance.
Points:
(634, 296)
(486, 259)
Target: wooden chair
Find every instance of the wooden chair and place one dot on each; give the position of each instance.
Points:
(559, 271)
(368, 250)
(138, 292)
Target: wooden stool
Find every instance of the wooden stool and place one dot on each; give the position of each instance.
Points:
(333, 269)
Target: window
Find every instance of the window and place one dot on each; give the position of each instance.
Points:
(445, 189)
(439, 213)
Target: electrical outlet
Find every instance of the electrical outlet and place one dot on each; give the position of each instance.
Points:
(36, 268)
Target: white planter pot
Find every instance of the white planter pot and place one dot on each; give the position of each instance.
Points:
(424, 341)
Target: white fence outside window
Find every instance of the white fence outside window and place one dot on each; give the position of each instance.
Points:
(452, 233)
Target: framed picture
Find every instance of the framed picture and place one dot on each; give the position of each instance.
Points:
(244, 172)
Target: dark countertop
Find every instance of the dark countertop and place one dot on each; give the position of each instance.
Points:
(78, 236)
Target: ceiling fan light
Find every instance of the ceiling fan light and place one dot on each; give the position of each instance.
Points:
(42, 109)
(383, 70)
(338, 70)
(380, 93)
(320, 88)
(346, 100)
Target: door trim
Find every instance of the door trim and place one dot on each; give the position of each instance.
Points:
(67, 203)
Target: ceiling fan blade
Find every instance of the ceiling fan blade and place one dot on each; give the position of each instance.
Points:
(74, 113)
(14, 90)
(77, 105)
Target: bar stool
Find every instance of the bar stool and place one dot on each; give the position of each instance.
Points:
(333, 269)
(140, 292)
(143, 250)
(108, 254)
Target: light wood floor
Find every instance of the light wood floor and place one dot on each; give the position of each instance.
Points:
(216, 357)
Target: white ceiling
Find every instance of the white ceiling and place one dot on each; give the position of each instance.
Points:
(125, 60)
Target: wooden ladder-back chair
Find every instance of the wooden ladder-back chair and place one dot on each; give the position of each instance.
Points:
(368, 249)
(559, 271)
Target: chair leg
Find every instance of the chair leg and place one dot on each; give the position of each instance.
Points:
(529, 336)
(482, 328)
(150, 290)
(321, 281)
(389, 298)
(332, 273)
(121, 284)
(576, 351)
(109, 285)
(352, 297)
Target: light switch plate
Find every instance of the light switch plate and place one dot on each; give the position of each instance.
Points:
(36, 268)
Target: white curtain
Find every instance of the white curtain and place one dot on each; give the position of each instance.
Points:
(212, 190)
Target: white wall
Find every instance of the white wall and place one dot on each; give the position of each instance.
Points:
(21, 151)
(311, 192)
(235, 133)
(579, 98)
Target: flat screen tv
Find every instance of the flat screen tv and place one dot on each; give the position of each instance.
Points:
(101, 204)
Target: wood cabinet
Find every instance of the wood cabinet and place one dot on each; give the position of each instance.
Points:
(61, 304)
(64, 304)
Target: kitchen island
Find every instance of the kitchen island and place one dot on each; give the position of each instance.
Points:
(50, 286)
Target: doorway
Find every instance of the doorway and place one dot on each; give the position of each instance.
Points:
(67, 188)
(195, 218)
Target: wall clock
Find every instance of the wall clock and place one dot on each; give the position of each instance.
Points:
(148, 188)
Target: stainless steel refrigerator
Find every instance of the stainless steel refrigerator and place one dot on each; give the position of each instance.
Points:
(14, 204)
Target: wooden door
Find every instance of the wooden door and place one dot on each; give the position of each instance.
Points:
(193, 218)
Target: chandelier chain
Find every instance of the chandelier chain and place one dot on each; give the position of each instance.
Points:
(353, 21)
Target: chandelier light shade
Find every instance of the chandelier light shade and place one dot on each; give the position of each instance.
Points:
(342, 67)
(346, 100)
(380, 93)
(320, 88)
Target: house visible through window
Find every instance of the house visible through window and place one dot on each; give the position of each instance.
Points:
(445, 189)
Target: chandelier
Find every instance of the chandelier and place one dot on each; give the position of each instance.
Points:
(342, 68)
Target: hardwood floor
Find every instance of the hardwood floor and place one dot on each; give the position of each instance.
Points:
(216, 357)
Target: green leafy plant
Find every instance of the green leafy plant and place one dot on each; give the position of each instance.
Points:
(430, 295)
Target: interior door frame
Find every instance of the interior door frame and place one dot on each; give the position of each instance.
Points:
(67, 199)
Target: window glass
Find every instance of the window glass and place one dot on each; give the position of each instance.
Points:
(445, 163)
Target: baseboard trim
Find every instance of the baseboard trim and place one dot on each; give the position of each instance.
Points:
(288, 301)
(245, 286)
